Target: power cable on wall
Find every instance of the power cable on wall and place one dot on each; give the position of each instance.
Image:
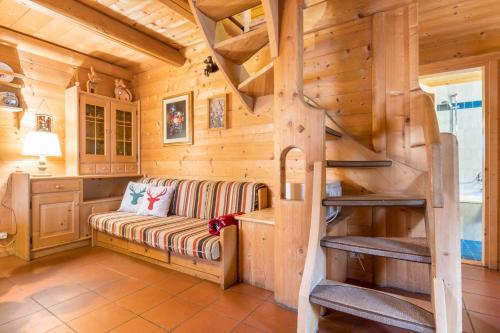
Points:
(8, 193)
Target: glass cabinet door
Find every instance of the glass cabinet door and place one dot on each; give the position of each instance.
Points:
(123, 129)
(94, 121)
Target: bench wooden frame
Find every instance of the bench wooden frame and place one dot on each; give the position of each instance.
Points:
(223, 271)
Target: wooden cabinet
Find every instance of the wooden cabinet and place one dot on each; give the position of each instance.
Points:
(256, 248)
(55, 218)
(101, 134)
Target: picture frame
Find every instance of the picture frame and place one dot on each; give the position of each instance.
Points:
(177, 114)
(217, 112)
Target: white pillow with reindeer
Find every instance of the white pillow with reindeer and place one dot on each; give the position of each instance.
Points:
(157, 201)
(133, 197)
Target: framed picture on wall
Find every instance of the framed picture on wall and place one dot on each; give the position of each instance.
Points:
(178, 119)
(217, 112)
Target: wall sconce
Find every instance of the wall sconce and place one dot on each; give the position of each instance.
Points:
(210, 67)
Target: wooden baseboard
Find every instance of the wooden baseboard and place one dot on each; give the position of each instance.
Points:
(42, 252)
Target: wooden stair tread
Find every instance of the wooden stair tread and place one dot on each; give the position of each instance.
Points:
(372, 305)
(221, 9)
(259, 84)
(332, 132)
(240, 48)
(409, 249)
(358, 164)
(375, 200)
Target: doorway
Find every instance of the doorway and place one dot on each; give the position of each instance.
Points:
(458, 98)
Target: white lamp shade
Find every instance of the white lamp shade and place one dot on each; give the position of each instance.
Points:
(42, 143)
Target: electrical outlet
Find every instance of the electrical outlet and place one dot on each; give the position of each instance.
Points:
(3, 235)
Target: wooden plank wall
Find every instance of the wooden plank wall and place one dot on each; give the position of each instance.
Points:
(243, 152)
(46, 80)
(337, 75)
(458, 28)
(463, 34)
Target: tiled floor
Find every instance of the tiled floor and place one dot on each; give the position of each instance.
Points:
(102, 291)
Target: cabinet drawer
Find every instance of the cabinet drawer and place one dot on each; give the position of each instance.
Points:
(87, 169)
(102, 168)
(148, 251)
(207, 266)
(51, 186)
(131, 168)
(118, 168)
(112, 240)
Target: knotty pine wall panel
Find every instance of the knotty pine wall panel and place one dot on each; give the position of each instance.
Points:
(337, 75)
(46, 81)
(242, 152)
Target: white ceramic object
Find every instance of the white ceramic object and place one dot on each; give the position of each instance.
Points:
(6, 77)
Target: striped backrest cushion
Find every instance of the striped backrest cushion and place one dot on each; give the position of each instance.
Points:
(231, 197)
(191, 199)
(159, 181)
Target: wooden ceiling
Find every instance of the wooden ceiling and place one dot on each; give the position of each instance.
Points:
(151, 17)
(448, 28)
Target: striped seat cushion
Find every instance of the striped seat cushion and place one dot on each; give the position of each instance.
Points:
(178, 234)
(231, 197)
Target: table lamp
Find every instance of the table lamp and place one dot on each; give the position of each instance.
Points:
(42, 144)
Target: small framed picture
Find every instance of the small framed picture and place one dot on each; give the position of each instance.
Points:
(44, 122)
(178, 119)
(217, 112)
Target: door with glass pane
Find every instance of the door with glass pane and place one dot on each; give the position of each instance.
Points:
(123, 132)
(94, 130)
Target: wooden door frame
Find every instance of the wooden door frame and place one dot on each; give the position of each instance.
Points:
(489, 64)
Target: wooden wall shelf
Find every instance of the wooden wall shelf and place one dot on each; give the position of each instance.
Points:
(13, 109)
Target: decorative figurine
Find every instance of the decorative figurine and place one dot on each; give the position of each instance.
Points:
(211, 66)
(93, 81)
(122, 93)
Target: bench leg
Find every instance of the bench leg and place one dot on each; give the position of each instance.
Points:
(229, 256)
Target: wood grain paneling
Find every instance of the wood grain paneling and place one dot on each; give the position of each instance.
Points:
(46, 79)
(243, 152)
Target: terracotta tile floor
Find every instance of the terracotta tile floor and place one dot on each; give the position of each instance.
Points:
(101, 291)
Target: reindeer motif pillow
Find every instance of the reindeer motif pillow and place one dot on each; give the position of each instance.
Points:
(133, 198)
(157, 201)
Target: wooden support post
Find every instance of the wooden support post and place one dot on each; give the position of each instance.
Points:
(297, 125)
(447, 261)
(315, 266)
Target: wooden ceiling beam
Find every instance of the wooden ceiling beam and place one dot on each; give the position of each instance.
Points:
(181, 7)
(110, 28)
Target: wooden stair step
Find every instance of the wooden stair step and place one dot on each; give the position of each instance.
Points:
(409, 249)
(332, 132)
(221, 9)
(375, 200)
(240, 48)
(259, 84)
(358, 164)
(372, 305)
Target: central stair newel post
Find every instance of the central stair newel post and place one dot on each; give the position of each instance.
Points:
(297, 125)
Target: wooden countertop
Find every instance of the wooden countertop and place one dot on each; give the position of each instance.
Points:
(59, 177)
(264, 216)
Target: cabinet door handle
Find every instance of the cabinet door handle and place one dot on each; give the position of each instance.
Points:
(58, 187)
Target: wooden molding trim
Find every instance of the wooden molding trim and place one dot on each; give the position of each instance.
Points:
(110, 28)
